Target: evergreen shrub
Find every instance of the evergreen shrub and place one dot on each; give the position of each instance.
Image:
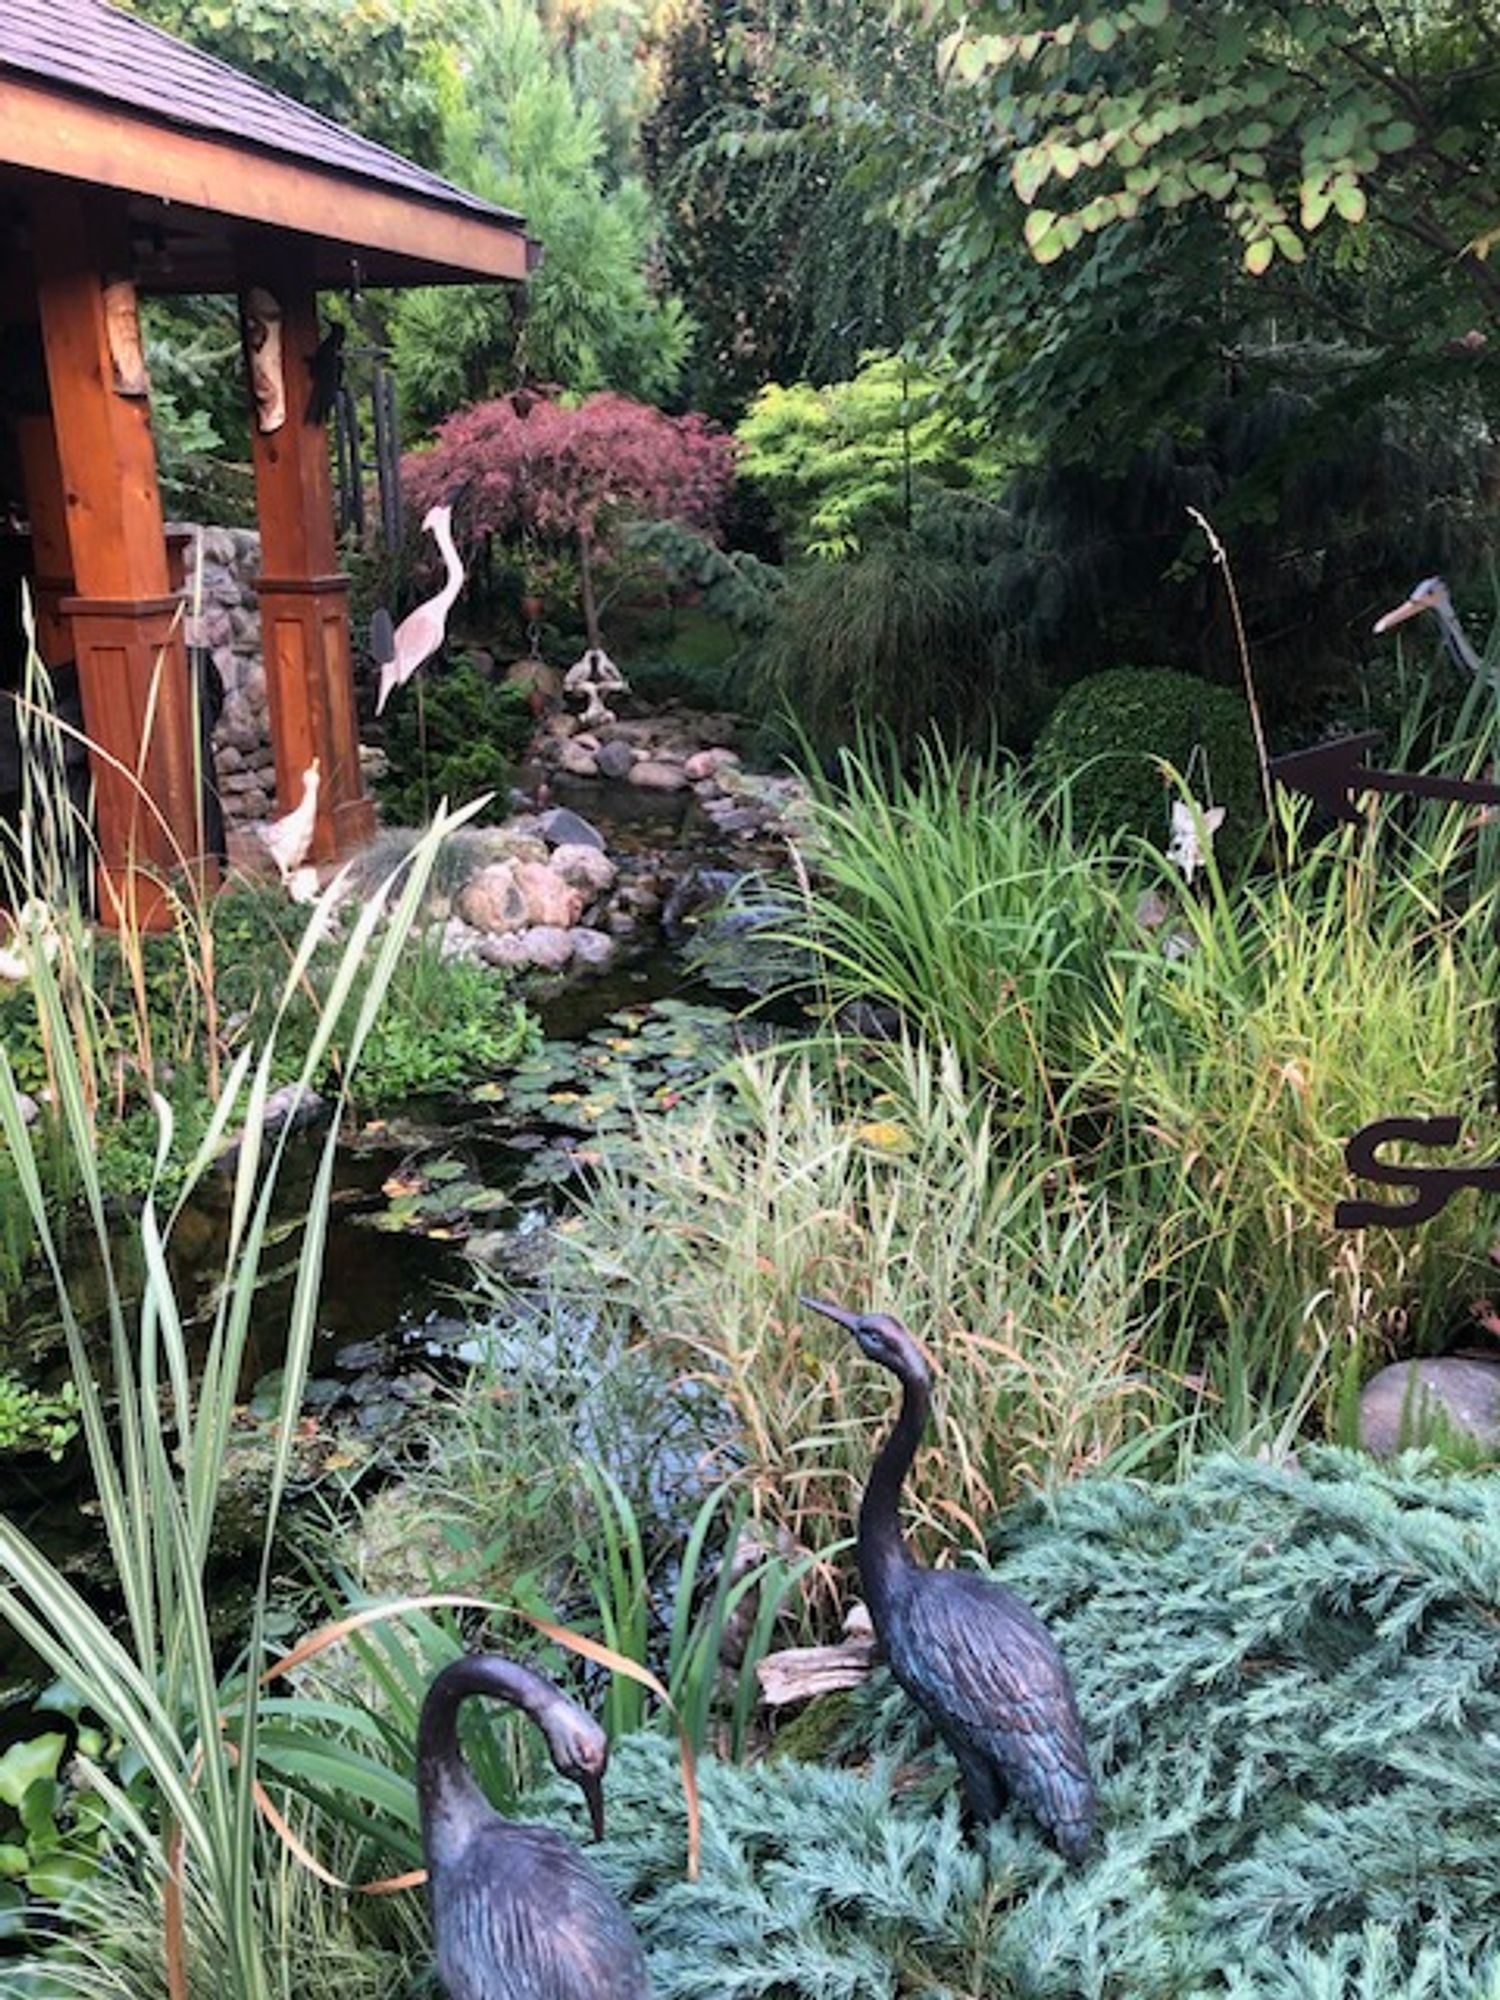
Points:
(474, 732)
(1290, 1678)
(1109, 730)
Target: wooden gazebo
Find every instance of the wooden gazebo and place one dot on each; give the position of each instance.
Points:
(133, 164)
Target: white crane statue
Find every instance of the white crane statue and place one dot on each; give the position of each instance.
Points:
(400, 652)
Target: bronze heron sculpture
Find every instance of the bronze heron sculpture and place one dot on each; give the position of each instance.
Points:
(517, 1912)
(967, 1650)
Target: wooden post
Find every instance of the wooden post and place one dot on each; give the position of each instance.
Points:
(51, 557)
(304, 600)
(132, 667)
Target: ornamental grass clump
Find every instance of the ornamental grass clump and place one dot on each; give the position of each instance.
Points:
(1203, 1070)
(157, 1405)
(1035, 1298)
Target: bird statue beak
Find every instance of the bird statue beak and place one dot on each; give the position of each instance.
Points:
(1408, 609)
(383, 695)
(592, 1788)
(838, 1314)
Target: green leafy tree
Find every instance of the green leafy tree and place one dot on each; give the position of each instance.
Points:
(782, 250)
(373, 65)
(1136, 205)
(840, 462)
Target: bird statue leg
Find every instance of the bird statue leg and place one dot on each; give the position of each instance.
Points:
(983, 1797)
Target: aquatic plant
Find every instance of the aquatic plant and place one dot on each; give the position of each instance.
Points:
(157, 1429)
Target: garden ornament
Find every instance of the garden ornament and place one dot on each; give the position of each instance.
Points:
(1431, 594)
(399, 652)
(1193, 830)
(262, 322)
(967, 1650)
(288, 838)
(594, 674)
(517, 1912)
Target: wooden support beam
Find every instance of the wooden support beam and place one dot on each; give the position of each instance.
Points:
(106, 146)
(132, 668)
(304, 601)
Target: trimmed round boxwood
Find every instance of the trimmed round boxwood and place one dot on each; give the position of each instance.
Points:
(1108, 732)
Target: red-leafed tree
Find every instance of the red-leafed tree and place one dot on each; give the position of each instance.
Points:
(524, 467)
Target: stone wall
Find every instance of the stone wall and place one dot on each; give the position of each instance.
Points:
(229, 628)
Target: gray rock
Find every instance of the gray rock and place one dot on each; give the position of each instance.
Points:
(587, 868)
(549, 947)
(28, 1107)
(1409, 1401)
(295, 1106)
(615, 759)
(504, 948)
(593, 949)
(567, 829)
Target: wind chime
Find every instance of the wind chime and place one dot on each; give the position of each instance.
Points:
(334, 394)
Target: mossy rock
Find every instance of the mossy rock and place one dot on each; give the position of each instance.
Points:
(1110, 734)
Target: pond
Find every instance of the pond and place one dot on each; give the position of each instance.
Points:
(419, 1195)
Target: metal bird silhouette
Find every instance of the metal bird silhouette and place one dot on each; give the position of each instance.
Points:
(420, 632)
(967, 1650)
(517, 1912)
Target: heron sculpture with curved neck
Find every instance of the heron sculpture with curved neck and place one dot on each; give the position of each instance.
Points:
(1431, 594)
(517, 1912)
(420, 633)
(967, 1650)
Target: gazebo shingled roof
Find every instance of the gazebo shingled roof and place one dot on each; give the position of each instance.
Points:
(129, 83)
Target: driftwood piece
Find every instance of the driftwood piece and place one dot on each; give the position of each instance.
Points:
(797, 1673)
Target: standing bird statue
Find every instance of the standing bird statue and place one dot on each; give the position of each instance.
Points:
(517, 1913)
(967, 1650)
(399, 652)
(288, 838)
(1431, 594)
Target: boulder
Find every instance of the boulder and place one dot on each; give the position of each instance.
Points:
(535, 677)
(577, 761)
(492, 900)
(654, 776)
(593, 949)
(709, 763)
(586, 868)
(504, 948)
(549, 946)
(549, 898)
(1445, 1394)
(568, 829)
(615, 759)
